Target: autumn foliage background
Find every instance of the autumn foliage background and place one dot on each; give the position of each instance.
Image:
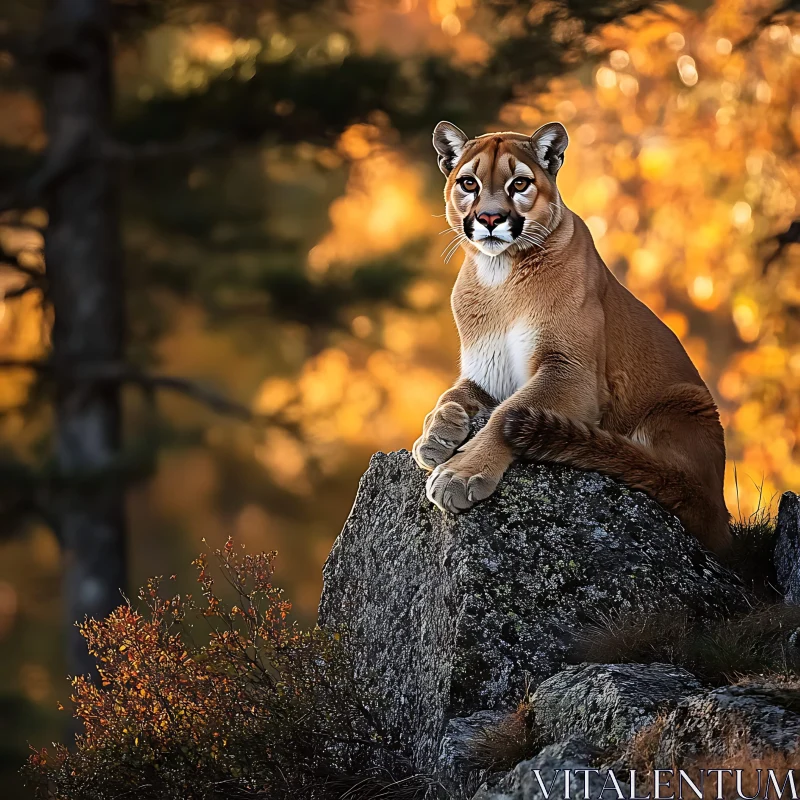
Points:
(685, 133)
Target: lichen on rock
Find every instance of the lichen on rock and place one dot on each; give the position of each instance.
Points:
(752, 718)
(607, 704)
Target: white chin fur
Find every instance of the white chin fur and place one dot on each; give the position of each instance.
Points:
(492, 248)
(493, 270)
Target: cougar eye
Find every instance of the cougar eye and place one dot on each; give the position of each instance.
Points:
(521, 184)
(468, 184)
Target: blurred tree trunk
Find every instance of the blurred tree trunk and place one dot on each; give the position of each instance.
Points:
(84, 269)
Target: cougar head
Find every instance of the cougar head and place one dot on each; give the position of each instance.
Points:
(501, 187)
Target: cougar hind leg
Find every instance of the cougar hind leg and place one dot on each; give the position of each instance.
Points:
(676, 455)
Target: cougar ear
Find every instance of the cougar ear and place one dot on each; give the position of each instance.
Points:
(549, 144)
(449, 142)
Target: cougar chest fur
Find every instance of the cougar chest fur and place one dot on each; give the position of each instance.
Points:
(496, 351)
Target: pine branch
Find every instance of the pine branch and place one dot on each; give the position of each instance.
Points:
(75, 149)
(35, 365)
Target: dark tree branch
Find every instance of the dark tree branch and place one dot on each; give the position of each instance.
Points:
(36, 279)
(122, 373)
(76, 148)
(20, 196)
(191, 146)
(786, 7)
(18, 224)
(110, 372)
(790, 236)
(35, 365)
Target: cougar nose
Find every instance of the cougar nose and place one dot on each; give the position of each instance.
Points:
(491, 221)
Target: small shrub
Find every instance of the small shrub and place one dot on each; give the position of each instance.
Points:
(254, 708)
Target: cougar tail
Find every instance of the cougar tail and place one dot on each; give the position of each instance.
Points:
(540, 435)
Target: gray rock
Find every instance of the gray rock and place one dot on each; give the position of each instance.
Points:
(787, 547)
(730, 720)
(449, 615)
(456, 768)
(607, 703)
(552, 762)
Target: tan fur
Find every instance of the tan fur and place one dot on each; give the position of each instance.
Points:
(575, 369)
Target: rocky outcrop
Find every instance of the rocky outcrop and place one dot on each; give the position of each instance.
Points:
(730, 721)
(453, 615)
(787, 547)
(606, 704)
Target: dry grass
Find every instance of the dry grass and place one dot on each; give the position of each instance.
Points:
(718, 651)
(753, 546)
(633, 638)
(745, 760)
(738, 754)
(380, 785)
(756, 643)
(641, 754)
(641, 751)
(505, 744)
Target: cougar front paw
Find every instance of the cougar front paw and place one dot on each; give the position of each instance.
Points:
(445, 431)
(460, 483)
